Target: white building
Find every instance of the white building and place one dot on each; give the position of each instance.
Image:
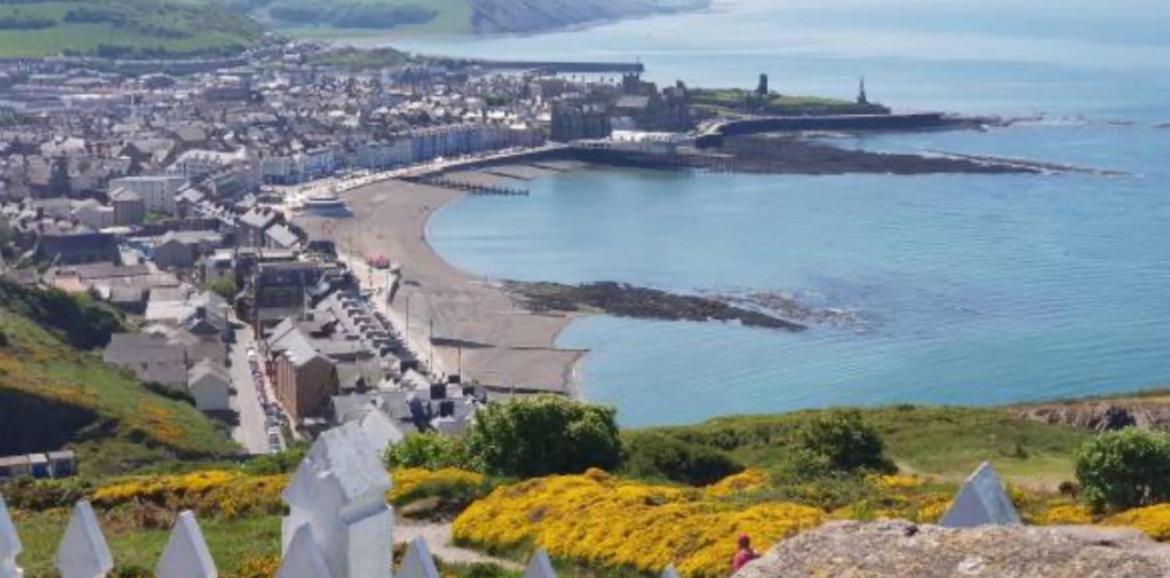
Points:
(157, 191)
(194, 164)
(210, 384)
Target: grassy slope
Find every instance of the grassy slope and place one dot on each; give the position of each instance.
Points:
(731, 101)
(231, 542)
(176, 26)
(131, 426)
(944, 441)
(941, 441)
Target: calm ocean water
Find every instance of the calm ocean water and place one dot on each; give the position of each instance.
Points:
(973, 289)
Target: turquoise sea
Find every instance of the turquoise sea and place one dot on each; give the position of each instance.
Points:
(972, 289)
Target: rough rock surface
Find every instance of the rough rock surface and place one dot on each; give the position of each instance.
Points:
(1151, 413)
(898, 548)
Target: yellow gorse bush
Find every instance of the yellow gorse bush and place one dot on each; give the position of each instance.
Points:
(598, 519)
(1153, 520)
(894, 482)
(411, 481)
(214, 492)
(745, 482)
(1066, 515)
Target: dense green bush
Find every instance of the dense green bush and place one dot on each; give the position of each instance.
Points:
(656, 455)
(277, 463)
(844, 441)
(83, 321)
(225, 288)
(1125, 469)
(37, 495)
(543, 435)
(427, 450)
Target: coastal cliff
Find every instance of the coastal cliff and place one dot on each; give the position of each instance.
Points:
(1148, 411)
(524, 16)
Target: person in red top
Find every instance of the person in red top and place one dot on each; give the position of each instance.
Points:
(744, 555)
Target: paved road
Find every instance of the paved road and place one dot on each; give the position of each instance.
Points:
(438, 538)
(250, 432)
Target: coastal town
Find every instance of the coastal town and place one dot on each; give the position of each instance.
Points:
(200, 198)
(582, 288)
(262, 217)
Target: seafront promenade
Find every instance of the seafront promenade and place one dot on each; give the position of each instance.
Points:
(458, 322)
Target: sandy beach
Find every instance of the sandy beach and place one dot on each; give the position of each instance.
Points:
(478, 330)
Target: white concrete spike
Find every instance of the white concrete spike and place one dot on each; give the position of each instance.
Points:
(186, 554)
(10, 546)
(303, 559)
(539, 566)
(418, 562)
(83, 552)
(669, 572)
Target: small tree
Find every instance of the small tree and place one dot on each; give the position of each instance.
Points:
(1124, 469)
(544, 435)
(427, 450)
(225, 287)
(844, 441)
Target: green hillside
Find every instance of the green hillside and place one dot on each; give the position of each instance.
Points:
(53, 394)
(122, 28)
(356, 17)
(949, 442)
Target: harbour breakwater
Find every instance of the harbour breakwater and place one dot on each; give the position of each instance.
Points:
(800, 155)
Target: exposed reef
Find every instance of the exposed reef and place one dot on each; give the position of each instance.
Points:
(624, 300)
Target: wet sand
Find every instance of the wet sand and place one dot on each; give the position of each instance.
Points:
(477, 327)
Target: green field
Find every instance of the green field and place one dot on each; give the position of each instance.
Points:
(734, 100)
(127, 28)
(447, 17)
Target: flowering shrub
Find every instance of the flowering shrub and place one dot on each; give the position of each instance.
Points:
(1066, 515)
(896, 482)
(1153, 520)
(260, 566)
(598, 519)
(745, 482)
(413, 483)
(214, 492)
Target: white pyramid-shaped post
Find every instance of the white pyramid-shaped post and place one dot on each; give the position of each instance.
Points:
(10, 546)
(418, 562)
(83, 552)
(186, 554)
(669, 572)
(339, 492)
(982, 501)
(303, 559)
(539, 566)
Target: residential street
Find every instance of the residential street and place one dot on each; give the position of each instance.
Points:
(251, 431)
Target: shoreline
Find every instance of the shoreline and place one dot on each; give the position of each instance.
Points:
(480, 327)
